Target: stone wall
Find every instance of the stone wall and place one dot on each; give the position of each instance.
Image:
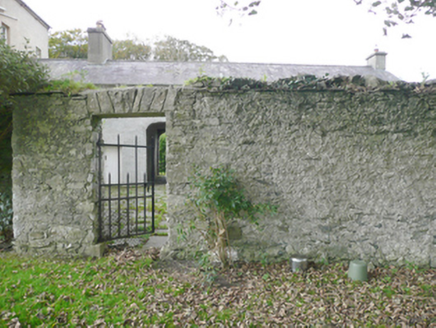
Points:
(53, 143)
(353, 173)
(55, 165)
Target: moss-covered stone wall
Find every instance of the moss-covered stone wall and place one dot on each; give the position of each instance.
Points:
(53, 148)
(353, 172)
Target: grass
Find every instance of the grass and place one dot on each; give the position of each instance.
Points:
(128, 288)
(161, 234)
(57, 291)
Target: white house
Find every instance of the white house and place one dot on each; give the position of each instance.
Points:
(22, 28)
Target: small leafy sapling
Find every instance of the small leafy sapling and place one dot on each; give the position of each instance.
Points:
(218, 198)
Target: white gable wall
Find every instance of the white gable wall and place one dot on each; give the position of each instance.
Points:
(23, 25)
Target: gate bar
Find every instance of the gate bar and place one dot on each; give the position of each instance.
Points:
(128, 206)
(99, 179)
(119, 187)
(122, 233)
(136, 183)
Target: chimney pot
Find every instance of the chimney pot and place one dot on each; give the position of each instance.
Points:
(99, 45)
(377, 60)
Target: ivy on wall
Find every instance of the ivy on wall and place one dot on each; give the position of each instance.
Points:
(355, 83)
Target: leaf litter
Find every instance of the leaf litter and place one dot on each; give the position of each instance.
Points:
(134, 288)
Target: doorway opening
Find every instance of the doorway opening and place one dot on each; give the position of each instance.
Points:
(156, 137)
(128, 174)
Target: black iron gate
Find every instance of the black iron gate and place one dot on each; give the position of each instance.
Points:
(126, 196)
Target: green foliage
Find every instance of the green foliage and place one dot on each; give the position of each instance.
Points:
(68, 44)
(217, 199)
(69, 86)
(19, 73)
(6, 214)
(244, 7)
(227, 83)
(425, 77)
(162, 153)
(205, 81)
(131, 50)
(71, 83)
(401, 11)
(219, 191)
(128, 289)
(67, 293)
(160, 212)
(172, 49)
(6, 153)
(352, 84)
(396, 11)
(74, 44)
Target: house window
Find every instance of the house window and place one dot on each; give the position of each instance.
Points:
(4, 33)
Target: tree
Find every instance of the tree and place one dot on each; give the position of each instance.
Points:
(247, 7)
(401, 11)
(19, 72)
(172, 49)
(68, 44)
(396, 11)
(131, 50)
(74, 44)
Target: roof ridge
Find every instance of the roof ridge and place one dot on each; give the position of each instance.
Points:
(37, 17)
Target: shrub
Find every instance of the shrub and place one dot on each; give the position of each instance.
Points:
(217, 198)
(5, 217)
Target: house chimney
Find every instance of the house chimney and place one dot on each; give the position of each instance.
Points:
(99, 44)
(377, 60)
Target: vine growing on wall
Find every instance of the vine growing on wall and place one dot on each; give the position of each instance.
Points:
(355, 83)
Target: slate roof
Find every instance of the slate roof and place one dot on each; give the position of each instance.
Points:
(115, 72)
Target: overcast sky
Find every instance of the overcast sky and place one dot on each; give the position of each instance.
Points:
(328, 32)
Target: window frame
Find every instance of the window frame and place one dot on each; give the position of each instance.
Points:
(4, 33)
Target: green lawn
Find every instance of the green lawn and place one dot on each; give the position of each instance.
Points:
(129, 288)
